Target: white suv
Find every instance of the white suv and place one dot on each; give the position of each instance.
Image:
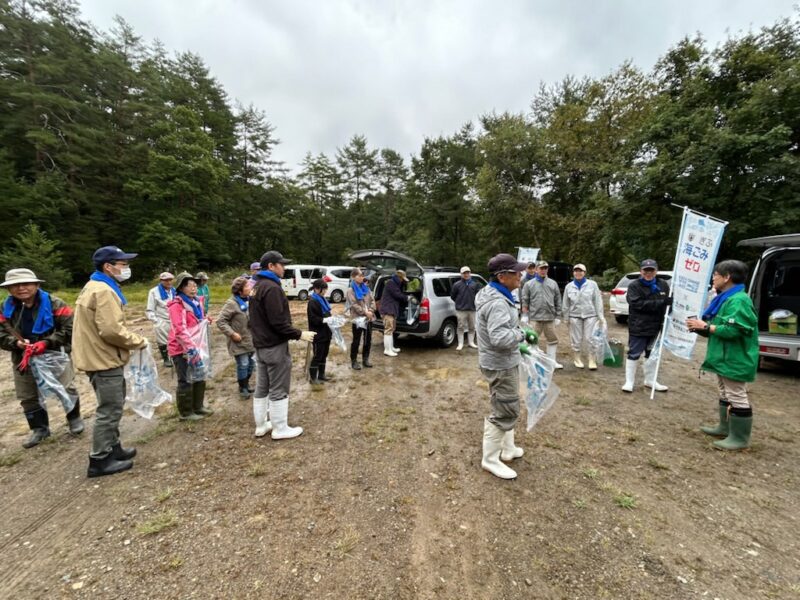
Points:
(338, 279)
(618, 300)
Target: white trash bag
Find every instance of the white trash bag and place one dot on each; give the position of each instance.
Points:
(360, 322)
(142, 390)
(541, 392)
(335, 324)
(599, 345)
(200, 370)
(47, 370)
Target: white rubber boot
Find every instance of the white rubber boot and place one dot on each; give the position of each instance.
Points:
(387, 346)
(261, 416)
(551, 352)
(279, 411)
(492, 446)
(395, 349)
(471, 339)
(630, 374)
(649, 373)
(510, 451)
(460, 340)
(592, 362)
(578, 362)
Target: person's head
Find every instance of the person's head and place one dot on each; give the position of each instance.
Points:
(506, 270)
(255, 268)
(357, 275)
(239, 286)
(319, 286)
(275, 262)
(579, 271)
(728, 273)
(186, 283)
(531, 269)
(113, 262)
(465, 273)
(541, 268)
(22, 284)
(648, 269)
(401, 275)
(202, 278)
(166, 279)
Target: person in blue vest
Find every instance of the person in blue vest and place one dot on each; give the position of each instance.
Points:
(318, 310)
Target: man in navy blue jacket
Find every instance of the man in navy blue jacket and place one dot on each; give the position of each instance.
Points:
(463, 294)
(393, 301)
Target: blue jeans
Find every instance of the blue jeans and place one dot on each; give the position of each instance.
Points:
(245, 364)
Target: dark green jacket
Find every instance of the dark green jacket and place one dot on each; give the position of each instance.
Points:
(58, 337)
(733, 347)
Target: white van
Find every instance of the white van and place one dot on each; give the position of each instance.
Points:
(297, 279)
(774, 285)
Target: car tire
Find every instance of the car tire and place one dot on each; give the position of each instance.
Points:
(621, 319)
(337, 296)
(447, 334)
(302, 295)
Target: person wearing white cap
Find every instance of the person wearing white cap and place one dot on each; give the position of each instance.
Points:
(463, 294)
(32, 323)
(583, 308)
(157, 312)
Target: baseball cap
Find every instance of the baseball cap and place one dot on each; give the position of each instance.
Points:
(580, 266)
(108, 254)
(466, 270)
(402, 274)
(201, 275)
(273, 257)
(648, 263)
(505, 262)
(542, 263)
(166, 275)
(255, 265)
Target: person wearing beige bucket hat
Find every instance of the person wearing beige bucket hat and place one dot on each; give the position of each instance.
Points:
(34, 322)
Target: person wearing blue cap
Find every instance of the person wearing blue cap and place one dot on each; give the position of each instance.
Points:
(648, 300)
(101, 346)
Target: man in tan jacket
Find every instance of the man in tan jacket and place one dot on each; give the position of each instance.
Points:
(101, 345)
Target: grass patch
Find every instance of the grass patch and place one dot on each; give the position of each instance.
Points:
(392, 420)
(176, 562)
(257, 470)
(158, 523)
(163, 495)
(10, 459)
(583, 401)
(590, 473)
(164, 426)
(345, 544)
(551, 444)
(624, 500)
(657, 465)
(579, 503)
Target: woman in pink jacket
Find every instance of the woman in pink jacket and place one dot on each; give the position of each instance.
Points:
(186, 316)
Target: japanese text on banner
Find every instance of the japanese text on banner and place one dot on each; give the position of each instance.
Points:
(694, 263)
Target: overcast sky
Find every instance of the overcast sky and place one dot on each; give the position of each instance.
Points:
(399, 71)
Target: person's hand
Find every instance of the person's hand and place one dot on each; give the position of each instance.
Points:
(668, 301)
(530, 336)
(557, 322)
(603, 323)
(695, 324)
(236, 337)
(524, 349)
(22, 344)
(145, 344)
(38, 348)
(308, 336)
(525, 319)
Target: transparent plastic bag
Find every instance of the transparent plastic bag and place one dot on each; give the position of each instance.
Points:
(360, 322)
(412, 310)
(335, 324)
(142, 390)
(201, 369)
(48, 370)
(599, 343)
(541, 392)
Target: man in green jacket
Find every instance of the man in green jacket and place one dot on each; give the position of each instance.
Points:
(731, 325)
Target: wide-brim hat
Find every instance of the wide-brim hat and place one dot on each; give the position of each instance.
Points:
(15, 276)
(182, 278)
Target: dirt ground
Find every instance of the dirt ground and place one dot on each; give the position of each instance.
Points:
(383, 496)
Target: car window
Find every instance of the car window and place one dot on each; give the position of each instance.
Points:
(624, 282)
(441, 286)
(341, 273)
(317, 273)
(288, 274)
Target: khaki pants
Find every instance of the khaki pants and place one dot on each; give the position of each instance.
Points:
(504, 396)
(549, 329)
(466, 321)
(389, 324)
(734, 392)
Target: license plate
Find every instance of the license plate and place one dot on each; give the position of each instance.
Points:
(774, 350)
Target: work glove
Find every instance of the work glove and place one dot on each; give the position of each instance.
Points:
(530, 335)
(38, 348)
(326, 320)
(557, 322)
(525, 319)
(308, 336)
(524, 349)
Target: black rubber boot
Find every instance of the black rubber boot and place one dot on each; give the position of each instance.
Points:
(198, 397)
(74, 420)
(98, 467)
(314, 376)
(244, 391)
(165, 356)
(183, 398)
(322, 375)
(120, 453)
(355, 366)
(366, 362)
(40, 428)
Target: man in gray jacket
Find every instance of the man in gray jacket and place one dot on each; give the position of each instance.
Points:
(500, 343)
(541, 303)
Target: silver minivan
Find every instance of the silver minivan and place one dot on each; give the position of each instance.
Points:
(433, 313)
(774, 285)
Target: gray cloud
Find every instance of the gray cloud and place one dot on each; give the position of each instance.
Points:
(398, 71)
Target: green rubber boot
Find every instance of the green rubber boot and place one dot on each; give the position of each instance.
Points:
(739, 435)
(198, 396)
(720, 430)
(183, 398)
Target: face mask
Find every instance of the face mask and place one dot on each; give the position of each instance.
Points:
(124, 274)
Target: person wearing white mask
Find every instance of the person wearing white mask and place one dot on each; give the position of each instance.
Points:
(101, 346)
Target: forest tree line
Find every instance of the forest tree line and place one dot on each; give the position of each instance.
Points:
(106, 138)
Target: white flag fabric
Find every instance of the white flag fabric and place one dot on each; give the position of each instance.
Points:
(527, 255)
